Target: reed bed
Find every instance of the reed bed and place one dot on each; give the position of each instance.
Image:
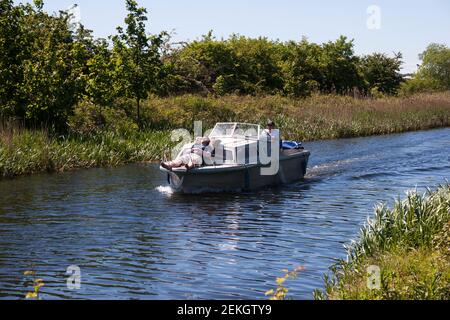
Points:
(314, 118)
(409, 243)
(30, 151)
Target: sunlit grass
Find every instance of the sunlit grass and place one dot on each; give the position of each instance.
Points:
(313, 118)
(410, 244)
(30, 151)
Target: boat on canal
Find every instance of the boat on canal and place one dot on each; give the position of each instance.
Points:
(238, 163)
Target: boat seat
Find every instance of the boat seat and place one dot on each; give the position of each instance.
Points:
(215, 144)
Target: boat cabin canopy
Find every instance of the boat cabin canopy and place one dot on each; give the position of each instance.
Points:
(234, 143)
(236, 130)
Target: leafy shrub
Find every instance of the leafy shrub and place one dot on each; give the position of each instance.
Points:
(89, 118)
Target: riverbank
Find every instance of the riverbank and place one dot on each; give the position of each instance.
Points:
(25, 152)
(102, 136)
(410, 246)
(315, 118)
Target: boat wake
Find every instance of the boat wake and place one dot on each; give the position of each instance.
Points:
(166, 190)
(331, 168)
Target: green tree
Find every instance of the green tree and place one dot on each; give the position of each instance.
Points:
(301, 72)
(205, 66)
(52, 70)
(339, 67)
(258, 68)
(435, 67)
(136, 56)
(238, 64)
(12, 48)
(434, 72)
(381, 73)
(101, 87)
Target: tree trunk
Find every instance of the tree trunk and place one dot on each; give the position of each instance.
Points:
(139, 112)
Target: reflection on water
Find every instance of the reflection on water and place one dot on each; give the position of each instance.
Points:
(134, 239)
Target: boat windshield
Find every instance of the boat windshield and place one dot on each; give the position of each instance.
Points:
(223, 130)
(235, 130)
(246, 130)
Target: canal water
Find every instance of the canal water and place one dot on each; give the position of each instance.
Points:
(133, 239)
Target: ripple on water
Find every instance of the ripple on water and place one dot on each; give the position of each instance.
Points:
(134, 239)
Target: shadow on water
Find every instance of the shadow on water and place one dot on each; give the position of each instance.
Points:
(134, 239)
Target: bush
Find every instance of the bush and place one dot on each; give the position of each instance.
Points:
(89, 119)
(417, 85)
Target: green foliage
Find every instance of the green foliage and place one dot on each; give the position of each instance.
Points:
(261, 66)
(42, 72)
(47, 70)
(13, 48)
(257, 64)
(51, 72)
(409, 243)
(412, 223)
(310, 118)
(101, 87)
(24, 151)
(434, 72)
(137, 55)
(419, 274)
(300, 67)
(90, 119)
(435, 66)
(416, 85)
(339, 67)
(381, 73)
(204, 64)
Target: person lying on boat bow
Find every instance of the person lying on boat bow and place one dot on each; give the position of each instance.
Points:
(199, 154)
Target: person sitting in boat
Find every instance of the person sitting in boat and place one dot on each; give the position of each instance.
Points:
(200, 153)
(271, 131)
(271, 134)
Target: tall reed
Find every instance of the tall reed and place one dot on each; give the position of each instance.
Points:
(29, 151)
(313, 118)
(409, 243)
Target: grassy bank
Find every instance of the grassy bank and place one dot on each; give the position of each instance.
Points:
(26, 152)
(314, 118)
(409, 243)
(109, 136)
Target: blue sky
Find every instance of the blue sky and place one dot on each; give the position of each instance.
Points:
(406, 26)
